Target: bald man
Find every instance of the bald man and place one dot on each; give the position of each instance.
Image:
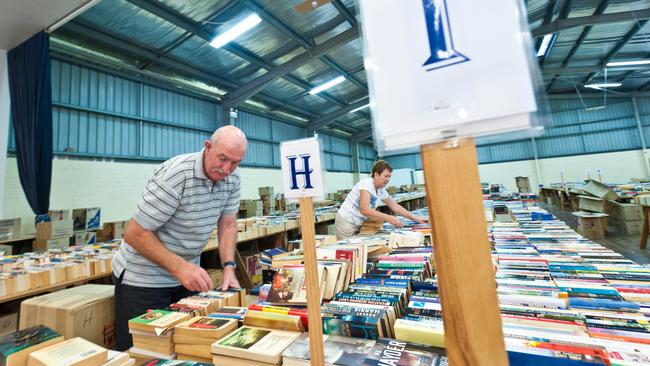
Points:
(187, 196)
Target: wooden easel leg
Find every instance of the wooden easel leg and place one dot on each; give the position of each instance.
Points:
(646, 227)
(313, 287)
(473, 333)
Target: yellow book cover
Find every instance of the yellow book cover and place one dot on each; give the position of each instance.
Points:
(73, 352)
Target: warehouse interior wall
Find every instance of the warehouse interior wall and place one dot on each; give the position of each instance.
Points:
(616, 167)
(116, 186)
(4, 121)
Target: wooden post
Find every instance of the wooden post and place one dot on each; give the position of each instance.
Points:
(473, 333)
(313, 285)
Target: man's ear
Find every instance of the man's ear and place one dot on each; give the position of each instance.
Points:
(206, 144)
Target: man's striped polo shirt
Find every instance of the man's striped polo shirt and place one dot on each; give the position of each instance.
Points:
(181, 206)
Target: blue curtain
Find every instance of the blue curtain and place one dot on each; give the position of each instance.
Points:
(30, 88)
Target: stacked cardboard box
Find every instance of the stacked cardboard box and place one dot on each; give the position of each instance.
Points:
(54, 234)
(280, 202)
(268, 200)
(111, 231)
(250, 208)
(9, 229)
(85, 311)
(626, 217)
(591, 224)
(86, 222)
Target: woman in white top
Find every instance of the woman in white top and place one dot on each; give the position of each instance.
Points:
(362, 201)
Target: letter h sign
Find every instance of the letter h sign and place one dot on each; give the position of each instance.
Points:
(302, 174)
(305, 171)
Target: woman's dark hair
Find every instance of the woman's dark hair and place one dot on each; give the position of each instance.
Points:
(379, 167)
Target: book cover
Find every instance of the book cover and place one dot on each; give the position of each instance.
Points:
(256, 344)
(340, 351)
(15, 347)
(157, 319)
(71, 352)
(398, 353)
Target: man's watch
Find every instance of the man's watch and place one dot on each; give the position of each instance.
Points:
(229, 263)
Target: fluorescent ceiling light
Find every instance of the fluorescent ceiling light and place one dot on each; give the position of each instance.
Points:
(603, 85)
(236, 31)
(628, 63)
(360, 108)
(327, 85)
(546, 43)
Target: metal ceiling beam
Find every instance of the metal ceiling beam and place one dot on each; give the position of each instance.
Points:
(362, 136)
(327, 119)
(343, 10)
(78, 27)
(564, 13)
(585, 32)
(635, 28)
(564, 24)
(304, 42)
(308, 45)
(190, 26)
(251, 88)
(187, 35)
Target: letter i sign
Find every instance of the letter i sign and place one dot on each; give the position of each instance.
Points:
(302, 174)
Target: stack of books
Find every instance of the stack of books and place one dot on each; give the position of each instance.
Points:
(193, 338)
(153, 333)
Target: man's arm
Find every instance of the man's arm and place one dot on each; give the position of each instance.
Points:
(191, 276)
(398, 209)
(227, 234)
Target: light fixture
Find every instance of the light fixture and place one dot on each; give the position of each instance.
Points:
(546, 44)
(628, 63)
(359, 108)
(327, 85)
(603, 85)
(236, 31)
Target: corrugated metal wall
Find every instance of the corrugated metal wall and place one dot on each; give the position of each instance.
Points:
(367, 157)
(100, 114)
(575, 127)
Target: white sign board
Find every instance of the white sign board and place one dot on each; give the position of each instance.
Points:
(444, 68)
(302, 174)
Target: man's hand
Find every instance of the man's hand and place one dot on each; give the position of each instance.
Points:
(229, 279)
(193, 277)
(395, 221)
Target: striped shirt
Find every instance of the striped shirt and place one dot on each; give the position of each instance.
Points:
(181, 206)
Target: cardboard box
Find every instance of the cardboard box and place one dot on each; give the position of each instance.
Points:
(265, 191)
(602, 191)
(523, 184)
(43, 245)
(59, 215)
(86, 218)
(628, 227)
(85, 311)
(593, 204)
(626, 211)
(216, 275)
(54, 229)
(9, 229)
(84, 238)
(111, 231)
(591, 225)
(8, 323)
(6, 249)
